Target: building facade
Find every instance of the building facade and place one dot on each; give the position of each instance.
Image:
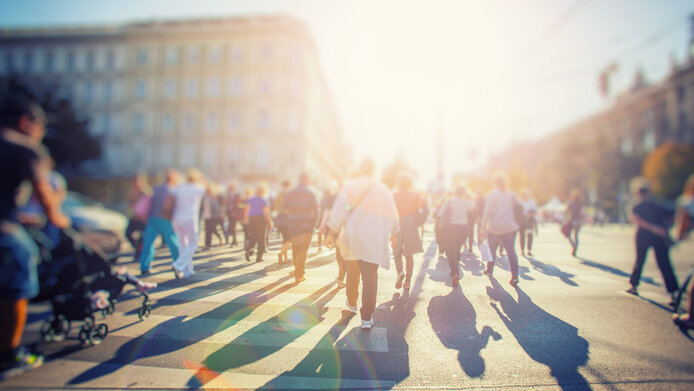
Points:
(240, 98)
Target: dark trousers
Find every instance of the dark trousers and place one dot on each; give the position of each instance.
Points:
(522, 233)
(457, 235)
(644, 241)
(256, 234)
(508, 241)
(300, 245)
(231, 229)
(409, 265)
(211, 226)
(369, 286)
(135, 232)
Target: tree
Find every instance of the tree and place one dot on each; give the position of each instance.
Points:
(67, 137)
(668, 167)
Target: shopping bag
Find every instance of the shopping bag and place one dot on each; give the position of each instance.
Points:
(486, 252)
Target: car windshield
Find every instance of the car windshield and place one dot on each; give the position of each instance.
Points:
(76, 200)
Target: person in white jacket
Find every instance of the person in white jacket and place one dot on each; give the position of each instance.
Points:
(366, 218)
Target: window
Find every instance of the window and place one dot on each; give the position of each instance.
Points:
(212, 123)
(141, 89)
(235, 87)
(142, 56)
(213, 87)
(215, 54)
(171, 56)
(28, 62)
(266, 52)
(166, 156)
(236, 54)
(193, 54)
(88, 91)
(90, 61)
(70, 62)
(649, 141)
(108, 91)
(67, 92)
(264, 120)
(192, 88)
(265, 86)
(189, 122)
(139, 123)
(233, 123)
(680, 94)
(9, 62)
(110, 60)
(96, 124)
(167, 123)
(187, 155)
(107, 123)
(49, 62)
(139, 156)
(169, 88)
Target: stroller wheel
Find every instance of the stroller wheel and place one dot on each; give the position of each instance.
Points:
(102, 330)
(144, 311)
(55, 329)
(84, 337)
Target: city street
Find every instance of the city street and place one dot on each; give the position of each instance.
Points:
(237, 325)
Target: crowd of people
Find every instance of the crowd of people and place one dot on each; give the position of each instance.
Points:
(362, 219)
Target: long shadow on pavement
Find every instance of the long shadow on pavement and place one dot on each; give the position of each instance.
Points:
(143, 346)
(544, 337)
(233, 355)
(615, 271)
(552, 271)
(337, 363)
(454, 321)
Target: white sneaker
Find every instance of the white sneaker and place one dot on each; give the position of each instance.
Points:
(367, 324)
(350, 308)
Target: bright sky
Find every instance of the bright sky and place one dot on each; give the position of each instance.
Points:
(485, 72)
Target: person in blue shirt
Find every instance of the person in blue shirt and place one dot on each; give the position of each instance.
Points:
(258, 219)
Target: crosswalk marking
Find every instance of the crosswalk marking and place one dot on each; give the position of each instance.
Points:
(135, 376)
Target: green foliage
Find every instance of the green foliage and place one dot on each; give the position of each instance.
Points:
(668, 167)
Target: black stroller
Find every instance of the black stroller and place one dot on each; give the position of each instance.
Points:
(77, 279)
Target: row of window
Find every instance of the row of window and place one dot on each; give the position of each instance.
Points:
(208, 157)
(211, 122)
(213, 88)
(50, 60)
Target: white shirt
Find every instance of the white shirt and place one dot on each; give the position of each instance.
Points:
(498, 214)
(365, 233)
(529, 206)
(188, 197)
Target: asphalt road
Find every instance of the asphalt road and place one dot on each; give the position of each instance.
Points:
(237, 325)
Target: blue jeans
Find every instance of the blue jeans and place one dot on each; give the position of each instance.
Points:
(508, 241)
(157, 226)
(19, 256)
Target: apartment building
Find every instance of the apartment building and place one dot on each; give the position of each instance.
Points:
(240, 98)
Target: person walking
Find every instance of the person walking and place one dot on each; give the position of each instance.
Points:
(159, 222)
(684, 222)
(186, 215)
(413, 212)
(234, 211)
(302, 213)
(326, 202)
(258, 221)
(529, 225)
(282, 223)
(499, 226)
(366, 217)
(24, 159)
(140, 198)
(652, 221)
(213, 215)
(573, 219)
(456, 215)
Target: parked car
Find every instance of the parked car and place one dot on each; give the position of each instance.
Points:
(99, 225)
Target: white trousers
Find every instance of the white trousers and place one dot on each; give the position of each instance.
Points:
(187, 233)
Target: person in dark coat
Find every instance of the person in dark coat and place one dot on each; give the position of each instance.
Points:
(301, 207)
